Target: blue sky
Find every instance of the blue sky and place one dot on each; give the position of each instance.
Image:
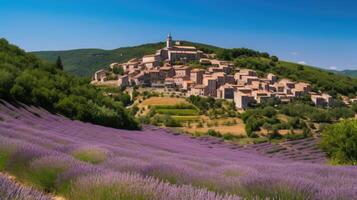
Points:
(316, 32)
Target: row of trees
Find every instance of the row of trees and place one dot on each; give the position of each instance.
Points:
(25, 78)
(315, 114)
(231, 54)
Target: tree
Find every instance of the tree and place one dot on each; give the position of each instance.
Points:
(339, 141)
(274, 58)
(118, 70)
(59, 64)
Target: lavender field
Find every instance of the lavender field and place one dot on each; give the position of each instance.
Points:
(11, 190)
(79, 160)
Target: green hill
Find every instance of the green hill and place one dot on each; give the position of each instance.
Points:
(85, 62)
(351, 73)
(25, 78)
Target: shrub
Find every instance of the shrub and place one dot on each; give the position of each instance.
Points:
(199, 125)
(339, 141)
(4, 157)
(230, 136)
(168, 121)
(274, 135)
(214, 133)
(43, 172)
(294, 136)
(269, 111)
(12, 190)
(93, 155)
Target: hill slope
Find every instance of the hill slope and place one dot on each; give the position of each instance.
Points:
(25, 78)
(117, 164)
(85, 62)
(348, 72)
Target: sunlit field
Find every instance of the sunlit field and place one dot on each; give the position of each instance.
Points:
(79, 160)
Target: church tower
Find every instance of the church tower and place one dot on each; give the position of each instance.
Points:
(169, 43)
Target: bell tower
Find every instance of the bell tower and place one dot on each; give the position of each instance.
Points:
(169, 42)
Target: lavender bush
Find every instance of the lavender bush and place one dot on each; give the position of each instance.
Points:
(9, 190)
(76, 159)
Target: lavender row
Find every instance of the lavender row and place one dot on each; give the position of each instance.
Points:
(155, 161)
(9, 190)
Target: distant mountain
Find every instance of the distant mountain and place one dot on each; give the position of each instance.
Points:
(348, 72)
(85, 62)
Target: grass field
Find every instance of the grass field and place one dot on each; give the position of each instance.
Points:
(237, 129)
(179, 112)
(163, 101)
(186, 118)
(168, 105)
(188, 115)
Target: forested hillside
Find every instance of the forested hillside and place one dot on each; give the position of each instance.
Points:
(347, 72)
(25, 78)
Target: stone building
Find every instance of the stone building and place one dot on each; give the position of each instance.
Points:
(196, 76)
(241, 100)
(151, 61)
(178, 53)
(167, 72)
(182, 71)
(225, 92)
(100, 75)
(211, 86)
(197, 90)
(323, 100)
(123, 81)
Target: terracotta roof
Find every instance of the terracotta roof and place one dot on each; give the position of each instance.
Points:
(183, 52)
(200, 86)
(152, 55)
(166, 68)
(197, 70)
(185, 47)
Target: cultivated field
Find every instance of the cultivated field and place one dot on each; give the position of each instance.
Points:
(83, 161)
(236, 129)
(163, 101)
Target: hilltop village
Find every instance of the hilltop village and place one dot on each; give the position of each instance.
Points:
(169, 68)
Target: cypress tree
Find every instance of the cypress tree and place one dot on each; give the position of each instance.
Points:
(59, 64)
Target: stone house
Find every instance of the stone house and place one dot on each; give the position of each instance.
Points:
(123, 81)
(182, 71)
(323, 100)
(100, 75)
(211, 86)
(196, 76)
(241, 100)
(272, 78)
(225, 92)
(167, 72)
(187, 84)
(197, 90)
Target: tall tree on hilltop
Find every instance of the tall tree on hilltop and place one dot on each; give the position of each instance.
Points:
(59, 64)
